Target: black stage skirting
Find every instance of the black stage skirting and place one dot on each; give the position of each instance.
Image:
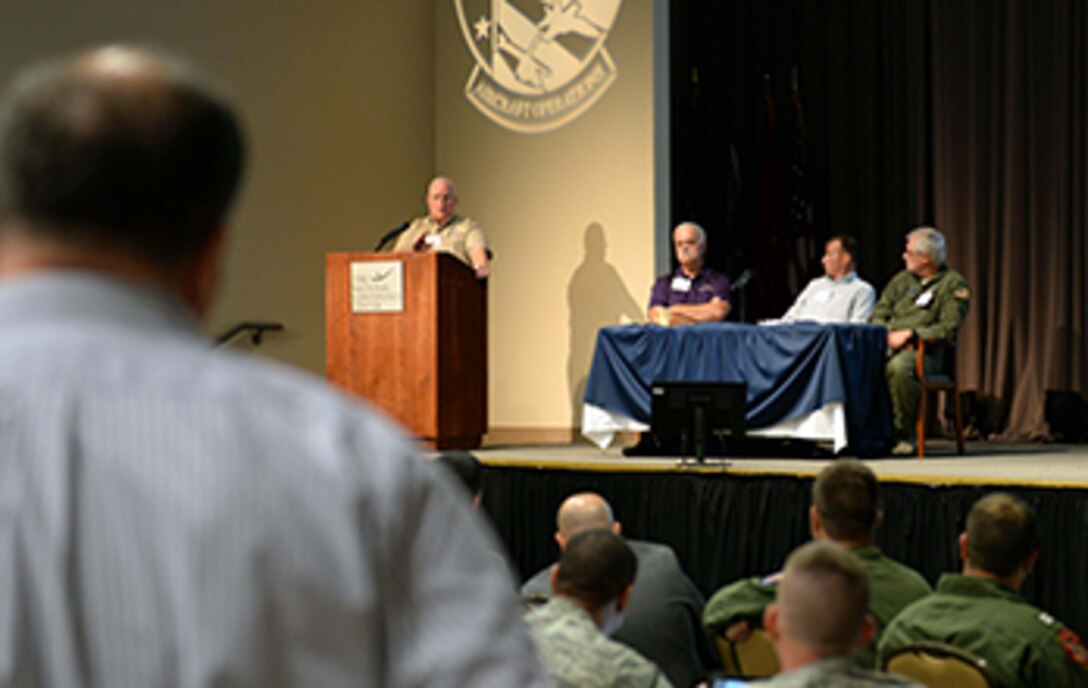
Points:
(726, 526)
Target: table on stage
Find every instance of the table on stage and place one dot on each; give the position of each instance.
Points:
(821, 382)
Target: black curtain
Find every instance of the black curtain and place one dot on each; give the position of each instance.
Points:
(968, 114)
(1010, 150)
(727, 526)
(863, 80)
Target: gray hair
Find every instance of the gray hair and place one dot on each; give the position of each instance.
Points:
(699, 230)
(929, 241)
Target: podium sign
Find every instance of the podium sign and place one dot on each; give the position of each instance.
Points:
(377, 286)
(409, 333)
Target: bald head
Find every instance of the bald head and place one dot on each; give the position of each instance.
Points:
(444, 184)
(441, 199)
(582, 512)
(823, 599)
(118, 149)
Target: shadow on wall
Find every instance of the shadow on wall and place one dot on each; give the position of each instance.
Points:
(596, 298)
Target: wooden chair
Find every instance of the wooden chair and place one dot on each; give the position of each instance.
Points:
(937, 382)
(753, 656)
(937, 665)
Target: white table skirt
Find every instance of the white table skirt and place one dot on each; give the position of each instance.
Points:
(827, 424)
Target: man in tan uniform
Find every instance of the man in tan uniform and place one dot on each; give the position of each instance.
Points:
(445, 231)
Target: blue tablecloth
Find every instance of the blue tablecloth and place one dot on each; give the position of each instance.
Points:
(791, 370)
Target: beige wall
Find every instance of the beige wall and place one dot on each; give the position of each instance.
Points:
(350, 107)
(339, 105)
(570, 215)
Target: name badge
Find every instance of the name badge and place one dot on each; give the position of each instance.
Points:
(434, 240)
(823, 296)
(681, 284)
(924, 299)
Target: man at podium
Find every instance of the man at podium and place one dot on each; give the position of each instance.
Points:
(445, 231)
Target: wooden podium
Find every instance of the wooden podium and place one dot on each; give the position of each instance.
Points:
(422, 358)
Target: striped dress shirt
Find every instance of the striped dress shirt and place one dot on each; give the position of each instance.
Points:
(172, 515)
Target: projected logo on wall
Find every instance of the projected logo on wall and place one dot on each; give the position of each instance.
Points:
(539, 63)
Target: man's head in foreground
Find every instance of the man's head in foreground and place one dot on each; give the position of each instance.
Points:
(844, 503)
(122, 160)
(1000, 540)
(820, 609)
(596, 570)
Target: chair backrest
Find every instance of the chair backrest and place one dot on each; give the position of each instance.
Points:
(944, 378)
(937, 665)
(753, 656)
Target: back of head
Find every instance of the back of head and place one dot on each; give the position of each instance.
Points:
(119, 149)
(466, 467)
(1001, 534)
(823, 598)
(595, 567)
(845, 496)
(581, 512)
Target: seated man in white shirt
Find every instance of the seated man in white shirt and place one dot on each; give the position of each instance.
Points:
(840, 295)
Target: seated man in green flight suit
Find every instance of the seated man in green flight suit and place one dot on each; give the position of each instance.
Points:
(982, 611)
(925, 300)
(845, 510)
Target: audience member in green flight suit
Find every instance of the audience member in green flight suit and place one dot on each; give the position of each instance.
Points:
(819, 619)
(845, 510)
(981, 610)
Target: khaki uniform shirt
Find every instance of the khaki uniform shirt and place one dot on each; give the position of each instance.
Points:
(892, 586)
(458, 237)
(577, 655)
(1022, 645)
(933, 308)
(834, 672)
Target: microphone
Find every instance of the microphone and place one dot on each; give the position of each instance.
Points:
(391, 234)
(742, 281)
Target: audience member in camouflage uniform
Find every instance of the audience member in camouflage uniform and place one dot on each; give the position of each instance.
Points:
(663, 621)
(818, 620)
(592, 584)
(926, 300)
(844, 510)
(981, 611)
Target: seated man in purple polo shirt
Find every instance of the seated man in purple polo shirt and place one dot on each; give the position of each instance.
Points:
(693, 293)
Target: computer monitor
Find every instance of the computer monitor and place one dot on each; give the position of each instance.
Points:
(695, 410)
